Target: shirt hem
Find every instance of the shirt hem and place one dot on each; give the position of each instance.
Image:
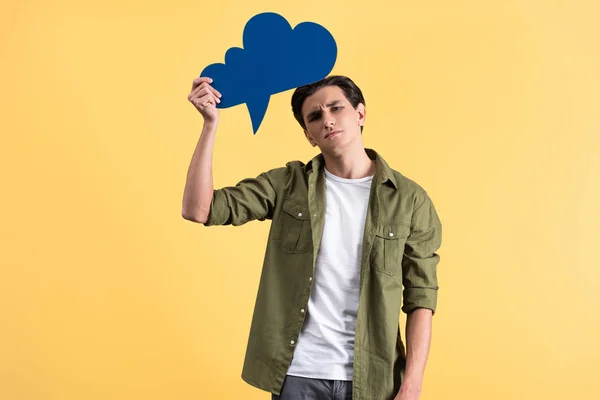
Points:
(258, 386)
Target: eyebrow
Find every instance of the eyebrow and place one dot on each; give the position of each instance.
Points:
(316, 112)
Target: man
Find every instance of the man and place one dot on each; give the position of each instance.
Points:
(350, 241)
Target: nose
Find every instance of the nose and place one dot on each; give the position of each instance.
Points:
(328, 120)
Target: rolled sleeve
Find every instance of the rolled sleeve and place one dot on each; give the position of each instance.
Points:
(251, 199)
(420, 260)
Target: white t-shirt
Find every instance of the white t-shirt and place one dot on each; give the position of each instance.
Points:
(325, 348)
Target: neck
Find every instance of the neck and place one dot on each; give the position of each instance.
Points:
(354, 163)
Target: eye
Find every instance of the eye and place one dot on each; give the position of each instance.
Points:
(336, 108)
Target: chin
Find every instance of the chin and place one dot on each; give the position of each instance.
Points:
(336, 149)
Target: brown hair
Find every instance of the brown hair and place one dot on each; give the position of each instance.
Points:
(351, 91)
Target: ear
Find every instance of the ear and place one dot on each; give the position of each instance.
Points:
(362, 113)
(309, 138)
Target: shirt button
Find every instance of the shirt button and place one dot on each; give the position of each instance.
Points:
(292, 342)
(391, 234)
(299, 214)
(302, 310)
(310, 279)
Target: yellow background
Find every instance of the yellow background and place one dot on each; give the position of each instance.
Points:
(107, 293)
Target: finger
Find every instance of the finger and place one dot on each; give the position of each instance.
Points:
(200, 80)
(203, 92)
(198, 101)
(200, 91)
(210, 102)
(214, 100)
(217, 93)
(204, 83)
(204, 88)
(204, 101)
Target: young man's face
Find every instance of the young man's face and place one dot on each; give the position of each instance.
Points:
(331, 121)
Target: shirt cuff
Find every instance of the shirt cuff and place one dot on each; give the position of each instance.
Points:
(419, 298)
(219, 210)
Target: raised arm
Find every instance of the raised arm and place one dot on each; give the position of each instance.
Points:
(198, 192)
(251, 199)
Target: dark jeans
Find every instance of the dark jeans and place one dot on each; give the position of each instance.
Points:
(297, 388)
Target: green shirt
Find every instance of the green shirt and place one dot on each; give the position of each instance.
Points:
(398, 268)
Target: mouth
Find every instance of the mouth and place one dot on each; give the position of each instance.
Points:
(332, 133)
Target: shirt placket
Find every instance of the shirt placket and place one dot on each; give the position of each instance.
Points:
(371, 219)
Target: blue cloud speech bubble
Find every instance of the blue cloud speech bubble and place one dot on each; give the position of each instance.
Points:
(275, 58)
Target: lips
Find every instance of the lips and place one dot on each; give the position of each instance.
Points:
(332, 133)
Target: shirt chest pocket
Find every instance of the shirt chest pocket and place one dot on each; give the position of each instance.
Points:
(388, 248)
(292, 230)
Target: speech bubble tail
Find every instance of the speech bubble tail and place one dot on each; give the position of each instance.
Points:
(257, 108)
